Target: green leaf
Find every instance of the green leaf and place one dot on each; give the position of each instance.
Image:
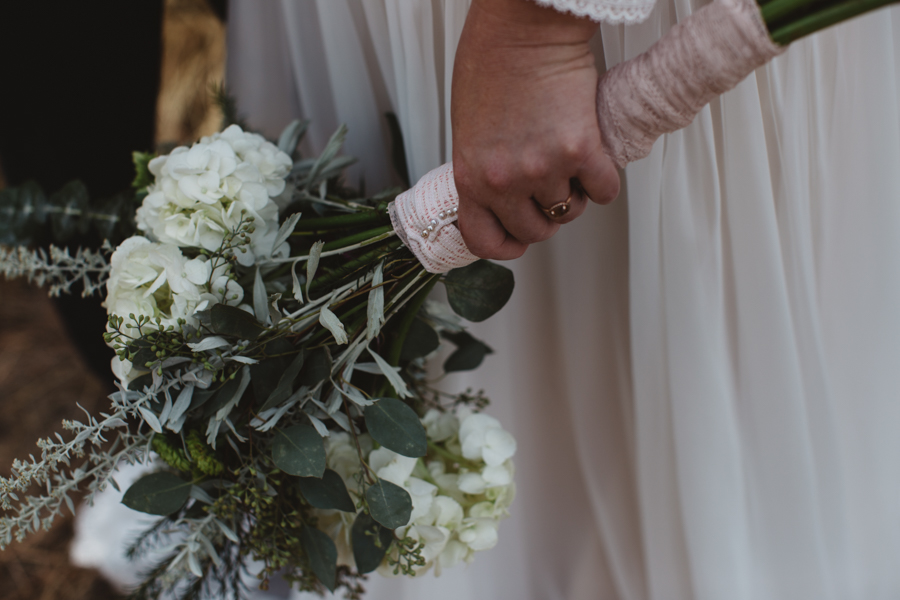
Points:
(285, 383)
(142, 175)
(230, 320)
(157, 494)
(396, 426)
(317, 368)
(291, 136)
(142, 353)
(329, 492)
(265, 374)
(370, 542)
(421, 340)
(469, 352)
(390, 504)
(322, 555)
(299, 450)
(222, 397)
(479, 290)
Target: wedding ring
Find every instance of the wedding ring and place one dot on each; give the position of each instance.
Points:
(560, 209)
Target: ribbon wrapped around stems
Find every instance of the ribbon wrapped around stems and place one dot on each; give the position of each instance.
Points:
(657, 92)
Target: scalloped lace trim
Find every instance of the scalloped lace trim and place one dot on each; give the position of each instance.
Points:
(613, 12)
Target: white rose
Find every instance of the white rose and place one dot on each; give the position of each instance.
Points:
(439, 425)
(483, 438)
(154, 280)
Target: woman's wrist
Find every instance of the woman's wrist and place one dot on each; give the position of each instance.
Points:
(525, 23)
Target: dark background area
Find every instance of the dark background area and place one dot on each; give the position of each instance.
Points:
(82, 85)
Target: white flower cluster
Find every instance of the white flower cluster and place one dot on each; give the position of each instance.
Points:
(203, 192)
(156, 280)
(459, 494)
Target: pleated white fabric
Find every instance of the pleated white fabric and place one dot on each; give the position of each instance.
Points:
(704, 378)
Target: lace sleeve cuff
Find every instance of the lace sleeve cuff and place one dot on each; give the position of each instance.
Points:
(607, 11)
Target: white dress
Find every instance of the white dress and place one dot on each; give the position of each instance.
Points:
(704, 377)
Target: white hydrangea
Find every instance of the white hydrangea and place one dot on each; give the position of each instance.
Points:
(155, 280)
(483, 438)
(203, 192)
(442, 488)
(457, 501)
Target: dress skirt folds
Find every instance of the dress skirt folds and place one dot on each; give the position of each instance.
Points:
(704, 377)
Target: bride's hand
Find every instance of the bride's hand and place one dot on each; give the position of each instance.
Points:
(524, 120)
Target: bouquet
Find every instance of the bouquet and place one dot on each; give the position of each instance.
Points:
(271, 335)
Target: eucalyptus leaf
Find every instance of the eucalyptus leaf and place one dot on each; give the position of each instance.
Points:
(285, 231)
(375, 305)
(291, 136)
(332, 323)
(469, 352)
(396, 426)
(221, 397)
(370, 541)
(329, 492)
(230, 320)
(331, 149)
(392, 374)
(322, 555)
(312, 263)
(421, 340)
(266, 373)
(479, 290)
(317, 368)
(157, 494)
(260, 300)
(390, 504)
(285, 383)
(299, 450)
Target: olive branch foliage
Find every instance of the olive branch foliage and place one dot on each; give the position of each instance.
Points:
(231, 414)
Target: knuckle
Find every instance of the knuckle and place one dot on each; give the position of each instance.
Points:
(575, 147)
(536, 168)
(497, 178)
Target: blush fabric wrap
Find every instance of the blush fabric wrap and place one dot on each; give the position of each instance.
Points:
(657, 92)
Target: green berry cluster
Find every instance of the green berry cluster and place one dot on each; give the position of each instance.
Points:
(408, 556)
(173, 456)
(202, 455)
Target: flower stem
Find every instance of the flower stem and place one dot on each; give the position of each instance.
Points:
(357, 237)
(341, 221)
(776, 12)
(825, 18)
(366, 260)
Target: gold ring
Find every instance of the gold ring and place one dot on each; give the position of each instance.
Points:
(560, 209)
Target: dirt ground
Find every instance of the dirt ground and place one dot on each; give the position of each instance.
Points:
(42, 375)
(42, 378)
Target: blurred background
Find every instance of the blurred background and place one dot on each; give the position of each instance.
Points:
(83, 85)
